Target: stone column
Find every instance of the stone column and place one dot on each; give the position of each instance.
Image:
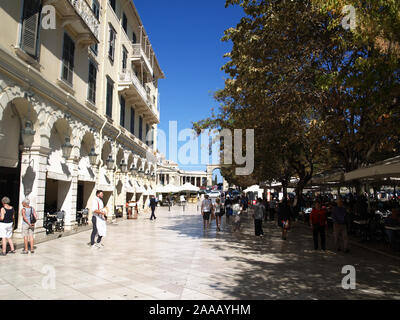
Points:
(67, 195)
(33, 186)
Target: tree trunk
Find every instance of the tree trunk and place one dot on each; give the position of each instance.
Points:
(284, 188)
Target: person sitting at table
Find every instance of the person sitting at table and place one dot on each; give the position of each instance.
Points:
(392, 221)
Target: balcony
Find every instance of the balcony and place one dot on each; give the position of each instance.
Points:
(135, 93)
(78, 15)
(139, 54)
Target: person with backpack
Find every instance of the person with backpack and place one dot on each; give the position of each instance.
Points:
(29, 217)
(339, 215)
(6, 225)
(318, 222)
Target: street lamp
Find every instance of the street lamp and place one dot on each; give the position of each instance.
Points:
(92, 157)
(28, 133)
(124, 166)
(133, 169)
(67, 147)
(110, 162)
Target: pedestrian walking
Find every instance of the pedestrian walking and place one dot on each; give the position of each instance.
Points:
(206, 210)
(153, 205)
(98, 220)
(219, 212)
(259, 215)
(236, 212)
(339, 216)
(29, 218)
(284, 217)
(318, 223)
(7, 214)
(228, 207)
(272, 208)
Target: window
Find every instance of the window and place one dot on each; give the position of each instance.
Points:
(141, 128)
(109, 98)
(68, 59)
(30, 27)
(96, 11)
(132, 121)
(111, 43)
(124, 23)
(112, 4)
(92, 82)
(122, 112)
(147, 134)
(124, 58)
(134, 40)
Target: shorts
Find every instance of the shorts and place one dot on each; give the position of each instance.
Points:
(27, 231)
(206, 216)
(6, 230)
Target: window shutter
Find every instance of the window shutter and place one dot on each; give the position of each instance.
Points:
(30, 26)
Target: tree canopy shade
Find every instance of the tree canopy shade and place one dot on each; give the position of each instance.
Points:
(317, 95)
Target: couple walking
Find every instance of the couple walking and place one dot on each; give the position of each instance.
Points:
(208, 209)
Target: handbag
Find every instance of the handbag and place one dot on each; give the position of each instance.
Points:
(32, 217)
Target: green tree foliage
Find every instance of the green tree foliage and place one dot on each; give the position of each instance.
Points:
(318, 96)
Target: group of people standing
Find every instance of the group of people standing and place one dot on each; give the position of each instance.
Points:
(7, 226)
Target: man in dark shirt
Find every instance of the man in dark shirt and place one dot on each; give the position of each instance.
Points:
(339, 225)
(153, 205)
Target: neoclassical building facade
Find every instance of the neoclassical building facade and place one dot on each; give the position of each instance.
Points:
(78, 106)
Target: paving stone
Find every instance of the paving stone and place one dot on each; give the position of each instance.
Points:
(174, 258)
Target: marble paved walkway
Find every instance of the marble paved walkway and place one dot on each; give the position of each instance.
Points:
(173, 258)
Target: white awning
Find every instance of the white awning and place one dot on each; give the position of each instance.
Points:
(188, 187)
(385, 169)
(254, 188)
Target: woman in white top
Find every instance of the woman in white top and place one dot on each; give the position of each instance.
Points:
(237, 209)
(219, 212)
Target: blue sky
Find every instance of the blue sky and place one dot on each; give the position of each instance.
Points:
(186, 38)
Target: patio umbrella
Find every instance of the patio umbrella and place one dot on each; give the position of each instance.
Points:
(188, 187)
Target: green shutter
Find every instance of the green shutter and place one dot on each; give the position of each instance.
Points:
(30, 26)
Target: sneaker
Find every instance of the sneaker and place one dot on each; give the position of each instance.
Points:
(32, 251)
(25, 252)
(98, 245)
(3, 254)
(12, 252)
(94, 246)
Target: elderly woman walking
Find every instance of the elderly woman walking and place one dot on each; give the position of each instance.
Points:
(28, 225)
(6, 225)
